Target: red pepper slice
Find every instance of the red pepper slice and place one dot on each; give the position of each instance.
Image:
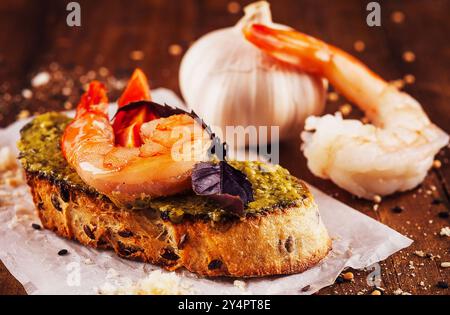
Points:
(137, 89)
(127, 124)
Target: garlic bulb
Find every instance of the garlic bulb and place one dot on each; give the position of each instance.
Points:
(230, 82)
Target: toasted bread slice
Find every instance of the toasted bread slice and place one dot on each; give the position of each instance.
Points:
(283, 241)
(281, 233)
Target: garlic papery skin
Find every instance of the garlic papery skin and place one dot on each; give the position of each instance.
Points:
(229, 82)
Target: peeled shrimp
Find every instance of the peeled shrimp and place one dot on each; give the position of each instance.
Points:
(394, 153)
(160, 166)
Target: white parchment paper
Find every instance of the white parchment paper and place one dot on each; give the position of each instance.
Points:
(31, 255)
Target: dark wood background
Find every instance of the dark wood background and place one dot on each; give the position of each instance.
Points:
(34, 37)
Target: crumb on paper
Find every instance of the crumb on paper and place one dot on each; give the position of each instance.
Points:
(401, 292)
(7, 159)
(419, 253)
(40, 79)
(445, 231)
(156, 283)
(21, 214)
(15, 180)
(445, 264)
(112, 273)
(242, 285)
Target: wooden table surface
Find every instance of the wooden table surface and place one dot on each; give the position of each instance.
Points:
(117, 36)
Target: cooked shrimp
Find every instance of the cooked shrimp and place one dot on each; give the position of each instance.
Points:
(394, 153)
(160, 166)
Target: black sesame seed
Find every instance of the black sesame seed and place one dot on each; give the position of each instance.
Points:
(306, 289)
(444, 214)
(63, 252)
(36, 226)
(397, 209)
(442, 285)
(340, 280)
(436, 201)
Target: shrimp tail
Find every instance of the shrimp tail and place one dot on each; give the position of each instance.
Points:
(292, 47)
(94, 100)
(316, 57)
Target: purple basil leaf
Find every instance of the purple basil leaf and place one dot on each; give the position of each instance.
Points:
(223, 183)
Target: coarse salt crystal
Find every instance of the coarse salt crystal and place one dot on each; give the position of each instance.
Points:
(240, 284)
(156, 283)
(27, 93)
(419, 253)
(111, 273)
(398, 292)
(445, 231)
(42, 78)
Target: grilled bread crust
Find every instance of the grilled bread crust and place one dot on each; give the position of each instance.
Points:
(282, 241)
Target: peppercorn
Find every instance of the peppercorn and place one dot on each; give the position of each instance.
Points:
(442, 285)
(63, 252)
(36, 226)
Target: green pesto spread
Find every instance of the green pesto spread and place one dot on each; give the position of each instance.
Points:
(273, 186)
